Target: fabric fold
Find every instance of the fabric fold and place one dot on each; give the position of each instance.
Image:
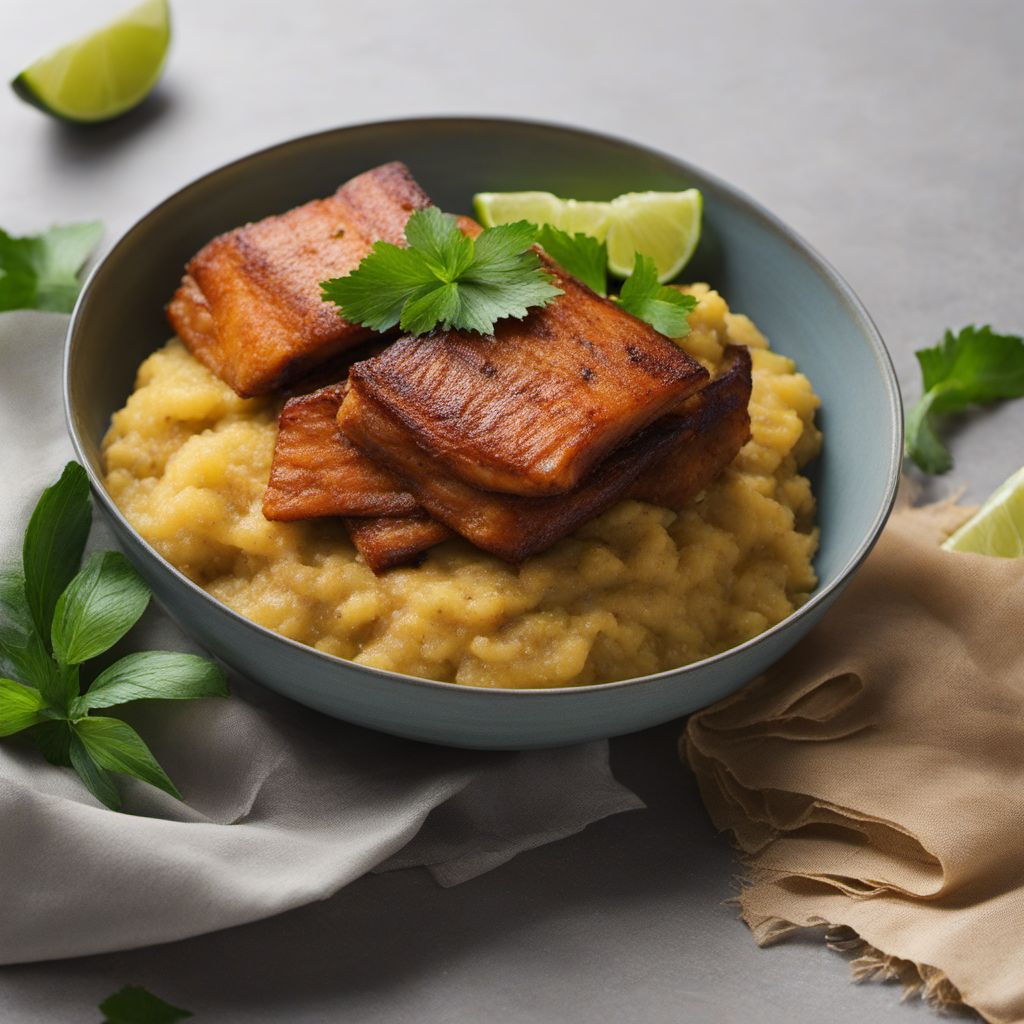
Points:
(874, 778)
(283, 806)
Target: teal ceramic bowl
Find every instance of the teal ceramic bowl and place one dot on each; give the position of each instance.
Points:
(761, 267)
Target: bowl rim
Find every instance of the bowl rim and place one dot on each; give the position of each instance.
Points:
(727, 193)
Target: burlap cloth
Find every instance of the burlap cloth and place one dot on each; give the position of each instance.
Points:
(874, 779)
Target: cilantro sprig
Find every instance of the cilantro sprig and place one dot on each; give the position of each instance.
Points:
(974, 367)
(664, 308)
(42, 271)
(55, 617)
(444, 277)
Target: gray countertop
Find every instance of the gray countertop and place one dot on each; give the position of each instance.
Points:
(888, 132)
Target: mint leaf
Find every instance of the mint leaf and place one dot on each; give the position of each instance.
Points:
(54, 542)
(154, 675)
(578, 254)
(134, 1005)
(115, 746)
(98, 607)
(54, 741)
(974, 367)
(42, 271)
(664, 308)
(23, 654)
(20, 707)
(97, 780)
(444, 278)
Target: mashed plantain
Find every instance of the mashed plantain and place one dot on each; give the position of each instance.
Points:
(637, 590)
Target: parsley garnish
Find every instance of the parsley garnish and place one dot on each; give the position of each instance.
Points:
(975, 367)
(445, 278)
(581, 255)
(664, 308)
(41, 271)
(53, 618)
(134, 1005)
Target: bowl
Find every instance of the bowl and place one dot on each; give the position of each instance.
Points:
(761, 266)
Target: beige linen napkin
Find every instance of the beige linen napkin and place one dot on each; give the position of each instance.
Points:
(874, 778)
(284, 806)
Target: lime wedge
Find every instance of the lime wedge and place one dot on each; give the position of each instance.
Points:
(997, 528)
(541, 208)
(662, 225)
(105, 74)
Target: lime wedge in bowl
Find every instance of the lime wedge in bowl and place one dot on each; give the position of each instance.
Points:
(541, 208)
(662, 225)
(104, 74)
(997, 528)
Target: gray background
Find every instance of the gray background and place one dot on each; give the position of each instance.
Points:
(888, 132)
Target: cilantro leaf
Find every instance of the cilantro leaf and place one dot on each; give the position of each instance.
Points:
(974, 367)
(41, 271)
(581, 255)
(664, 308)
(445, 278)
(134, 1005)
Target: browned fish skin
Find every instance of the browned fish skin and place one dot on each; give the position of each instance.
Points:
(693, 464)
(388, 543)
(532, 409)
(317, 471)
(249, 306)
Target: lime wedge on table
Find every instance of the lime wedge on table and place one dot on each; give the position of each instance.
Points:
(103, 74)
(997, 528)
(662, 225)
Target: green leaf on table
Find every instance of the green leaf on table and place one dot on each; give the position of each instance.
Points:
(117, 747)
(443, 277)
(664, 308)
(578, 254)
(54, 541)
(134, 1005)
(98, 607)
(97, 780)
(42, 271)
(974, 367)
(20, 707)
(53, 739)
(23, 654)
(154, 675)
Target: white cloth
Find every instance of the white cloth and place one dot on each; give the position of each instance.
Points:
(283, 806)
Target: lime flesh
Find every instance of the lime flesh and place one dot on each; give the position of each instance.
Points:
(662, 225)
(997, 528)
(105, 74)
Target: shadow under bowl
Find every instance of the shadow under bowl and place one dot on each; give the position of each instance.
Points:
(760, 266)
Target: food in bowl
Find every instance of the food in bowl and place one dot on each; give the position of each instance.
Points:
(602, 510)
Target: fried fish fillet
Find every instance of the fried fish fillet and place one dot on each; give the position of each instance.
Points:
(515, 527)
(533, 408)
(388, 543)
(249, 306)
(316, 471)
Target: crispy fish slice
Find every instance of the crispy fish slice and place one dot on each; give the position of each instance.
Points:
(531, 409)
(690, 466)
(317, 471)
(249, 307)
(514, 527)
(387, 543)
